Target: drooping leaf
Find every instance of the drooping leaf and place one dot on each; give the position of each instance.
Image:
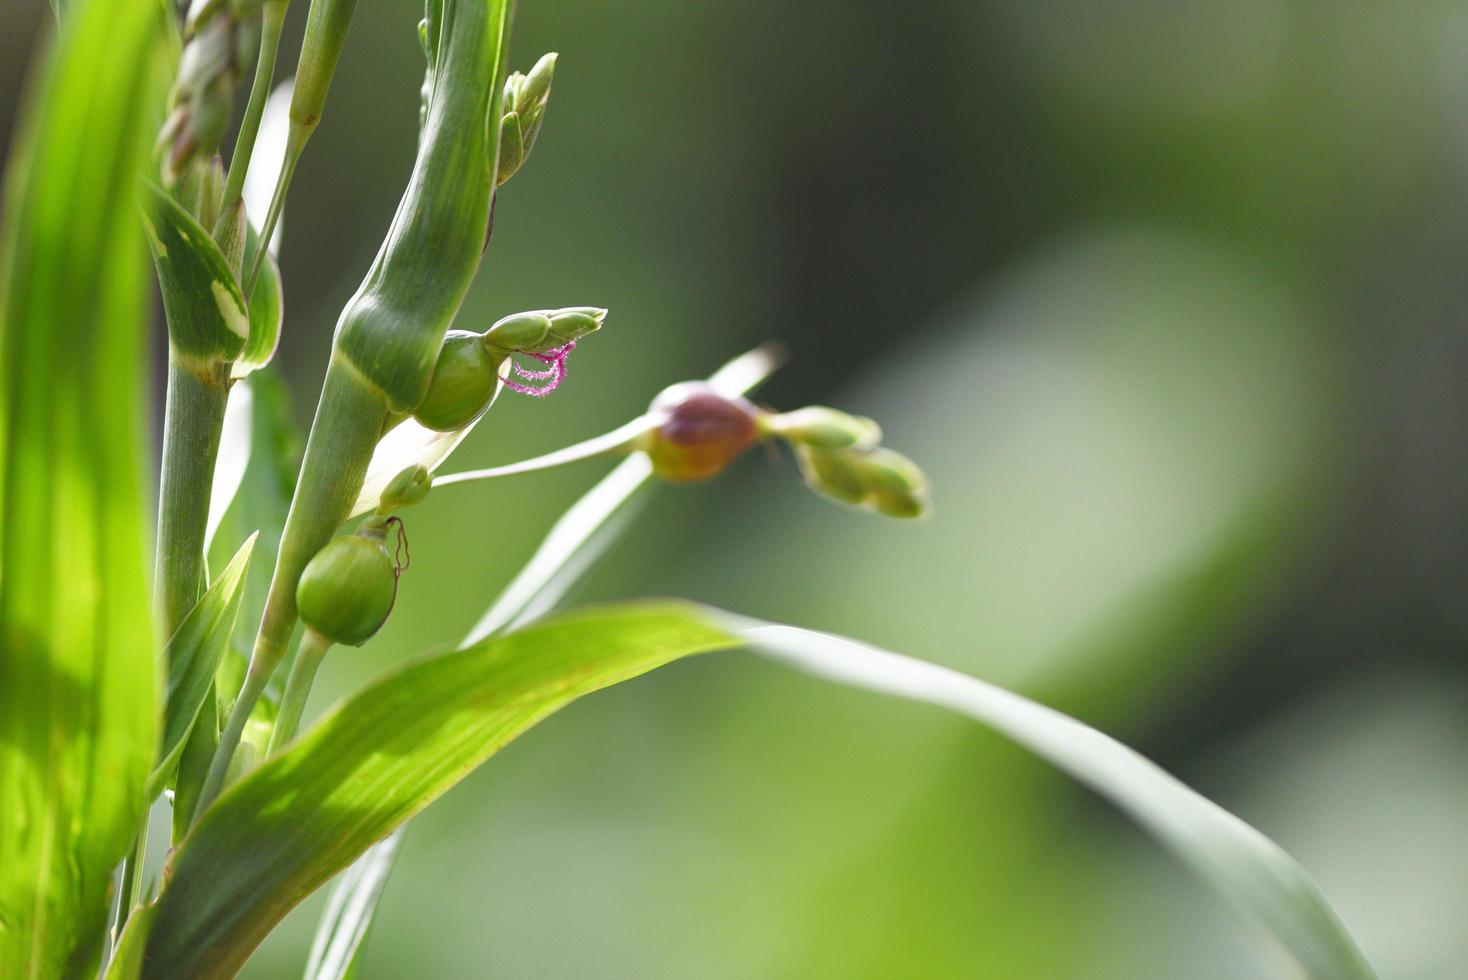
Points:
(207, 317)
(378, 758)
(1246, 868)
(78, 684)
(193, 655)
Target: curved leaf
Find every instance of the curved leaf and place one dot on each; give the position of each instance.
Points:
(1249, 870)
(267, 310)
(207, 318)
(78, 688)
(380, 757)
(193, 656)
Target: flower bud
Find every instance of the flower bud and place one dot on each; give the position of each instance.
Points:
(539, 331)
(877, 479)
(348, 589)
(464, 382)
(823, 428)
(696, 432)
(522, 110)
(406, 489)
(897, 487)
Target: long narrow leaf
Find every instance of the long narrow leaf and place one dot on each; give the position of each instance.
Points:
(78, 681)
(379, 758)
(193, 656)
(1249, 870)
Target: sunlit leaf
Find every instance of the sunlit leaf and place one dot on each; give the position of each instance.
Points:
(193, 656)
(380, 757)
(78, 688)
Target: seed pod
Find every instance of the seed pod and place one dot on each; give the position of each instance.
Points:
(347, 590)
(538, 331)
(464, 382)
(697, 432)
(823, 428)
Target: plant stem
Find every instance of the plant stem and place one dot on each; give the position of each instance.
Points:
(229, 739)
(348, 419)
(298, 688)
(272, 17)
(618, 440)
(295, 143)
(193, 420)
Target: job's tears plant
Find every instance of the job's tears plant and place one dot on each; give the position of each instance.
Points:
(117, 689)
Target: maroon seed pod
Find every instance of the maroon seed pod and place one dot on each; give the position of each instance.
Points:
(697, 432)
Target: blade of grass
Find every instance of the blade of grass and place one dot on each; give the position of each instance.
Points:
(378, 758)
(1263, 883)
(78, 681)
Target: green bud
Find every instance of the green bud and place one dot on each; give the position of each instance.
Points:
(465, 381)
(521, 113)
(406, 489)
(823, 428)
(538, 331)
(347, 590)
(832, 473)
(697, 432)
(877, 479)
(898, 488)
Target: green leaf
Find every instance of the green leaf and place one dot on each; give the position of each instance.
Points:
(207, 318)
(127, 958)
(1246, 868)
(78, 685)
(380, 757)
(266, 313)
(193, 656)
(335, 952)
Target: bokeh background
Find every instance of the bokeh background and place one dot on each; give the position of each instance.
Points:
(1168, 296)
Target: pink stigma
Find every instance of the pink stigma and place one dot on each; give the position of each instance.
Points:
(552, 376)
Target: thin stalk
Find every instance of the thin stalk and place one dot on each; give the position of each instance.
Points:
(619, 440)
(295, 143)
(250, 692)
(193, 421)
(272, 17)
(298, 688)
(348, 418)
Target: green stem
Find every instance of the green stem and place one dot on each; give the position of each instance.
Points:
(229, 739)
(298, 688)
(272, 17)
(192, 424)
(619, 440)
(348, 419)
(295, 143)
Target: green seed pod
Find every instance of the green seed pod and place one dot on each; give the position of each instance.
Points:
(406, 489)
(823, 428)
(897, 487)
(697, 432)
(538, 331)
(465, 381)
(347, 590)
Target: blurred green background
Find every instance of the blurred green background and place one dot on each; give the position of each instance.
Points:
(1168, 296)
